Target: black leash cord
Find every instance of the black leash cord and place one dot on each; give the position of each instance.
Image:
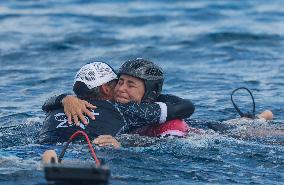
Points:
(248, 115)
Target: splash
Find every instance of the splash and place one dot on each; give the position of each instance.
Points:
(22, 134)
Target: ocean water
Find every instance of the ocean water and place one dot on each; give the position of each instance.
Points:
(206, 48)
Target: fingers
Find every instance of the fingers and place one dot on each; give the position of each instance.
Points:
(86, 111)
(267, 115)
(106, 140)
(75, 108)
(69, 117)
(76, 120)
(90, 114)
(82, 118)
(49, 156)
(89, 105)
(109, 145)
(104, 137)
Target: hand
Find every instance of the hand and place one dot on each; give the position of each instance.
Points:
(106, 140)
(48, 155)
(267, 115)
(75, 107)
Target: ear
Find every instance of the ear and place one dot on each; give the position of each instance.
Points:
(105, 89)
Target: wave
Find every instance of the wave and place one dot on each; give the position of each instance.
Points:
(21, 134)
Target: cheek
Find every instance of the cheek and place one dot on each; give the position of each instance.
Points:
(116, 88)
(141, 94)
(137, 95)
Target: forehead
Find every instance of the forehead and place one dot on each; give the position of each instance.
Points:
(130, 79)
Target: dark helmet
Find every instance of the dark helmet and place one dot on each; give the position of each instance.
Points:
(150, 73)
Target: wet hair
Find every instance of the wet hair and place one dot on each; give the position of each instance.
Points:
(83, 92)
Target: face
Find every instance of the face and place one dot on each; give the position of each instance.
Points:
(129, 89)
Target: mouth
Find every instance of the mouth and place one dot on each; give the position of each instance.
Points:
(122, 99)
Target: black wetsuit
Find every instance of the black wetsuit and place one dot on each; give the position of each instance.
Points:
(111, 117)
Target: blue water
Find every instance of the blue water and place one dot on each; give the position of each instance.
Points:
(207, 49)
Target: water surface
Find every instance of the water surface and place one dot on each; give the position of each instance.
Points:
(207, 49)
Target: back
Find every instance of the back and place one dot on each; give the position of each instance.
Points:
(56, 128)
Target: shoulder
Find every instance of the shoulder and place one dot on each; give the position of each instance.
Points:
(168, 98)
(101, 103)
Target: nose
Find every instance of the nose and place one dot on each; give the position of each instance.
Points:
(121, 87)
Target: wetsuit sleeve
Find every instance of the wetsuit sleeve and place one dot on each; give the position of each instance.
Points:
(137, 115)
(169, 98)
(177, 108)
(53, 103)
(180, 110)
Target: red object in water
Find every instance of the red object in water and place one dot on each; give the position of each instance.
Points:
(175, 127)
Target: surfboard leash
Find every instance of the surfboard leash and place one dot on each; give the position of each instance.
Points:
(247, 115)
(98, 163)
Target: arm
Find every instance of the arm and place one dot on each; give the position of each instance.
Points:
(137, 115)
(180, 110)
(177, 108)
(169, 98)
(52, 103)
